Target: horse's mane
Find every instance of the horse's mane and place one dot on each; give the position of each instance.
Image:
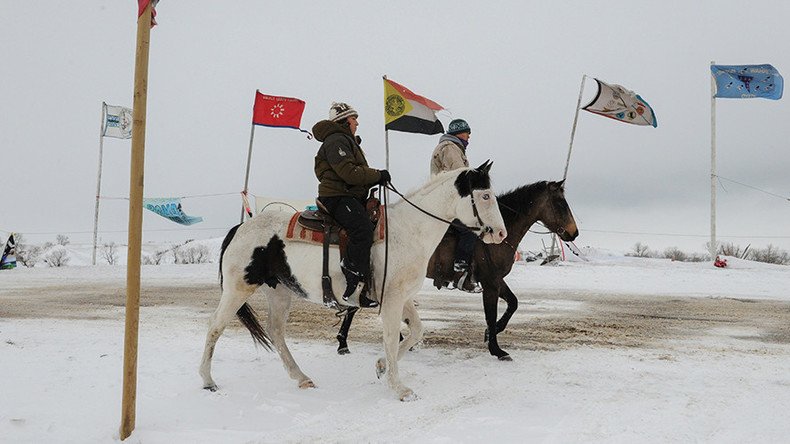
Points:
(520, 198)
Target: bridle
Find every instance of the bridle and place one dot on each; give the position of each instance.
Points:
(559, 231)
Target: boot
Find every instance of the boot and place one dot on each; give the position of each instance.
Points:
(460, 266)
(354, 280)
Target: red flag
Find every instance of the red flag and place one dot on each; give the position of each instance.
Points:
(141, 4)
(277, 111)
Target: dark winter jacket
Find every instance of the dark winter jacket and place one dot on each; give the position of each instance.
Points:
(340, 164)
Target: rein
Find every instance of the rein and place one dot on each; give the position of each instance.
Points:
(483, 230)
(383, 193)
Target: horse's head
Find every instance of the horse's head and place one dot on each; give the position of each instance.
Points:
(556, 214)
(478, 205)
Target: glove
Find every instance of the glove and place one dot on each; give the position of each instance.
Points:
(385, 177)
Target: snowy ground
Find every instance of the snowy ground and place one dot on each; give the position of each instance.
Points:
(616, 350)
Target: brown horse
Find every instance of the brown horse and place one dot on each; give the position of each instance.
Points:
(521, 208)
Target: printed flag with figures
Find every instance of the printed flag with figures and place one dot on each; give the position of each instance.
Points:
(747, 82)
(117, 122)
(408, 112)
(170, 208)
(277, 111)
(618, 103)
(8, 259)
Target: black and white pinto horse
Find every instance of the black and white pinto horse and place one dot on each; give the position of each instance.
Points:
(256, 255)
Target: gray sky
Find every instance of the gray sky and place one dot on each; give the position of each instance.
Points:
(510, 68)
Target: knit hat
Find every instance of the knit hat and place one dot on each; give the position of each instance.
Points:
(458, 126)
(339, 111)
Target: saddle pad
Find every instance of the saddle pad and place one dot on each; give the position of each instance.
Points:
(299, 233)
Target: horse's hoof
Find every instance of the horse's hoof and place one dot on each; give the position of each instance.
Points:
(306, 384)
(505, 358)
(408, 396)
(211, 388)
(381, 368)
(343, 351)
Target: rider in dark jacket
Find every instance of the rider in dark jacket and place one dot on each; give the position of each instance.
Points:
(345, 179)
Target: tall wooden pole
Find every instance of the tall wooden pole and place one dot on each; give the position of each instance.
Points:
(386, 133)
(136, 180)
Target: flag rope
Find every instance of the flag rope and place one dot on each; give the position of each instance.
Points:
(752, 187)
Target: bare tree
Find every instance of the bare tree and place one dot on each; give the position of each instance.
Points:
(57, 257)
(26, 254)
(193, 254)
(639, 250)
(730, 249)
(154, 258)
(61, 239)
(770, 255)
(109, 252)
(675, 254)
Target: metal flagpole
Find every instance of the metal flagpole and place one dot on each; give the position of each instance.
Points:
(386, 132)
(387, 148)
(98, 182)
(712, 247)
(136, 181)
(573, 131)
(247, 174)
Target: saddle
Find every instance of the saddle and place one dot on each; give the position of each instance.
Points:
(318, 226)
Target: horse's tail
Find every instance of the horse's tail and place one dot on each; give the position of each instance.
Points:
(225, 244)
(249, 319)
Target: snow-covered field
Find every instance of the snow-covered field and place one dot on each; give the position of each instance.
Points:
(611, 350)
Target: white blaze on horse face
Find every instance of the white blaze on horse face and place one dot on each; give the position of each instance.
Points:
(488, 210)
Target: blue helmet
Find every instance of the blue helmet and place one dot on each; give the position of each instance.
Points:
(458, 126)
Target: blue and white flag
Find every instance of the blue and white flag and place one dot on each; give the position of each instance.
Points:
(170, 208)
(747, 81)
(117, 122)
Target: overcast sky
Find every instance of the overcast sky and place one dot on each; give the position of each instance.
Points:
(512, 69)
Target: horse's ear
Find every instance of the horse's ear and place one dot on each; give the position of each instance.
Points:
(485, 167)
(557, 186)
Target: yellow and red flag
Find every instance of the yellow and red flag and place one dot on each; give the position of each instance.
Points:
(408, 112)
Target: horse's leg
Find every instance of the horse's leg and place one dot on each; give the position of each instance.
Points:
(490, 299)
(391, 314)
(512, 305)
(232, 299)
(279, 307)
(412, 319)
(342, 335)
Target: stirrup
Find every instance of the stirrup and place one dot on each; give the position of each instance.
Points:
(462, 282)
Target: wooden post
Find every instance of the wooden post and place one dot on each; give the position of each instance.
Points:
(136, 180)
